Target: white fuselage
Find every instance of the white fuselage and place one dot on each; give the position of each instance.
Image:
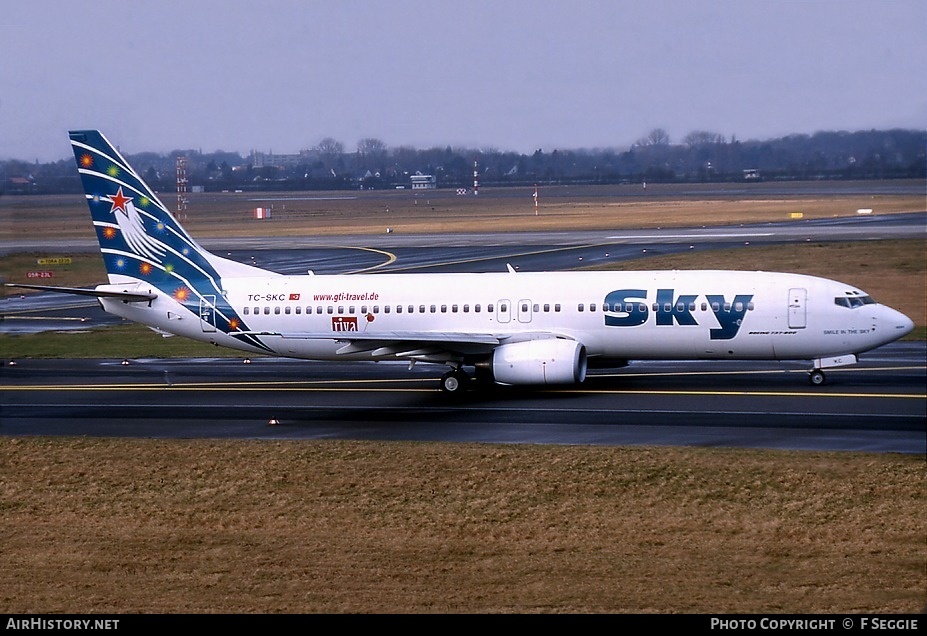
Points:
(615, 315)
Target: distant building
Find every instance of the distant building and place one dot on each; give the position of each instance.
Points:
(270, 160)
(424, 182)
(19, 185)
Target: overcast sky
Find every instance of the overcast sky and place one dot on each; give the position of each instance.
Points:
(505, 74)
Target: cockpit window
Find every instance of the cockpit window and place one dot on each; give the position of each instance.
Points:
(852, 302)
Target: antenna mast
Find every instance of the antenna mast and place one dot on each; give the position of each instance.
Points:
(181, 187)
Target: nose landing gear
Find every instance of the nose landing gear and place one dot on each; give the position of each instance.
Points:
(816, 377)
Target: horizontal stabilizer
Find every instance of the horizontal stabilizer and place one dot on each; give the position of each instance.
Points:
(124, 295)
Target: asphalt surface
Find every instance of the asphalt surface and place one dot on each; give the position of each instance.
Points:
(880, 405)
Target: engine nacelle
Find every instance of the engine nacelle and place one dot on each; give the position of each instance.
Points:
(547, 361)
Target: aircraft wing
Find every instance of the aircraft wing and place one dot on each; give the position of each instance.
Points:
(423, 345)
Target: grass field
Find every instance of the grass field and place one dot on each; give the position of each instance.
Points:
(217, 526)
(441, 211)
(168, 526)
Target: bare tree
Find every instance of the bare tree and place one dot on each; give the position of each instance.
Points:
(371, 153)
(371, 147)
(330, 150)
(702, 138)
(656, 137)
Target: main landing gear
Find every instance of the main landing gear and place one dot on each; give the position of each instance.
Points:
(455, 381)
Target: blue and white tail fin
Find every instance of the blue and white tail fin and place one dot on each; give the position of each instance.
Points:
(139, 238)
(149, 257)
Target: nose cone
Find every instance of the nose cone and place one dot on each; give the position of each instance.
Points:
(896, 324)
(905, 324)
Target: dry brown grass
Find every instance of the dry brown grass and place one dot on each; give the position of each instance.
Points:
(91, 525)
(561, 208)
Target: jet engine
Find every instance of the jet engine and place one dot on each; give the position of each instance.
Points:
(547, 361)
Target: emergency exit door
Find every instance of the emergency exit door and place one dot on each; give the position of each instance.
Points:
(798, 312)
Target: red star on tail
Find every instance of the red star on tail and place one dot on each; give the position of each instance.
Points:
(119, 201)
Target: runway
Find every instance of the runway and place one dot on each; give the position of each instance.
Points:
(879, 405)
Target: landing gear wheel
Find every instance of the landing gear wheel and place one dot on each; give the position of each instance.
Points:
(454, 382)
(816, 377)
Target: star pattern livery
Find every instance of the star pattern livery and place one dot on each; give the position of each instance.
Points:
(141, 240)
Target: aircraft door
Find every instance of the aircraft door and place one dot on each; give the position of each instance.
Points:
(504, 311)
(524, 310)
(798, 297)
(208, 313)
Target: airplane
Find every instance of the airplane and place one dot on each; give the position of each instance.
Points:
(511, 328)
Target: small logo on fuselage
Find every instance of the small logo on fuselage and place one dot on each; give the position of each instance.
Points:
(344, 323)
